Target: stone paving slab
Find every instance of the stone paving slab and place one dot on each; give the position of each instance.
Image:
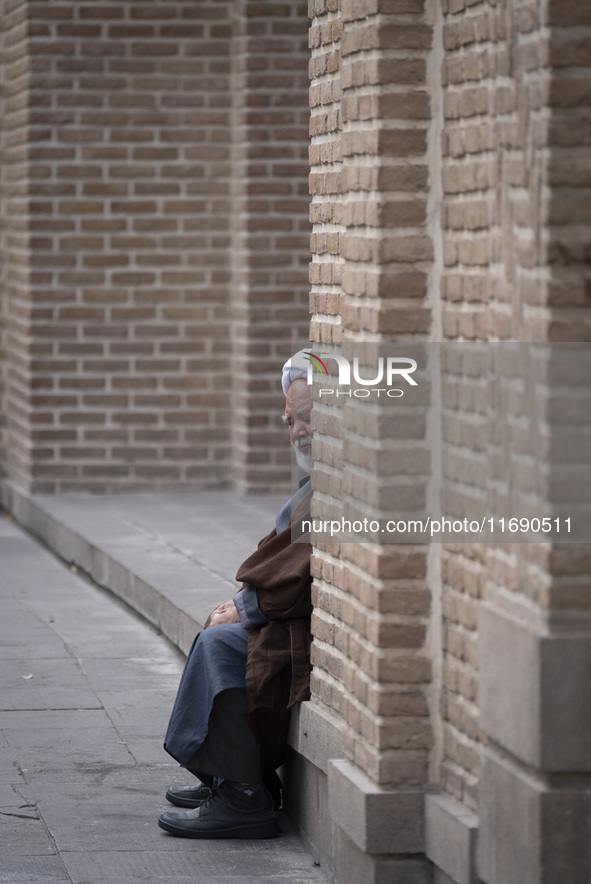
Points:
(25, 869)
(85, 692)
(171, 556)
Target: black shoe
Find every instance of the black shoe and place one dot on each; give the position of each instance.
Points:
(188, 796)
(234, 811)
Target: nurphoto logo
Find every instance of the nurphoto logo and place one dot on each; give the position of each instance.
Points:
(390, 369)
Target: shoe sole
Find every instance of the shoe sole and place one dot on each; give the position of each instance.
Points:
(254, 830)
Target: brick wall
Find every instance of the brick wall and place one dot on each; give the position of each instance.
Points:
(495, 79)
(372, 258)
(514, 220)
(326, 299)
(568, 214)
(569, 220)
(14, 271)
(508, 84)
(493, 174)
(2, 278)
(129, 219)
(271, 229)
(470, 311)
(131, 311)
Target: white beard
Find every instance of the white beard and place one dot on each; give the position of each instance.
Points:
(304, 458)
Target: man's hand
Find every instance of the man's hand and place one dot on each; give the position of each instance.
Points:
(224, 613)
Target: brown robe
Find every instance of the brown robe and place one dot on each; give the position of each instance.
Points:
(278, 659)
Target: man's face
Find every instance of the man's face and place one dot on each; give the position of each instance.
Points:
(298, 404)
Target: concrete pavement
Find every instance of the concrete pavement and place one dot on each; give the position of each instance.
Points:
(86, 688)
(172, 556)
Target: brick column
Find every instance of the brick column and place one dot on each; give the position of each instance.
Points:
(371, 273)
(16, 421)
(493, 282)
(3, 117)
(514, 219)
(534, 629)
(270, 250)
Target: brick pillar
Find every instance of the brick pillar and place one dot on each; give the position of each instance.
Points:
(494, 281)
(471, 309)
(16, 421)
(514, 220)
(371, 271)
(3, 119)
(534, 629)
(270, 250)
(567, 214)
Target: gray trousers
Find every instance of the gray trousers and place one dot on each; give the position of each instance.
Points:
(230, 750)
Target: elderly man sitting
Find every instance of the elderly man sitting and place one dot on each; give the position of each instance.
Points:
(245, 671)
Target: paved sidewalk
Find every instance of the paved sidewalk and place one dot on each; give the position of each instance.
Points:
(85, 691)
(172, 556)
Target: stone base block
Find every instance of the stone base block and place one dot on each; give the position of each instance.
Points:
(353, 866)
(377, 820)
(534, 692)
(531, 832)
(305, 791)
(450, 835)
(360, 833)
(315, 735)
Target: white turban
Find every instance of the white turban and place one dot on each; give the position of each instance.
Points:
(295, 367)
